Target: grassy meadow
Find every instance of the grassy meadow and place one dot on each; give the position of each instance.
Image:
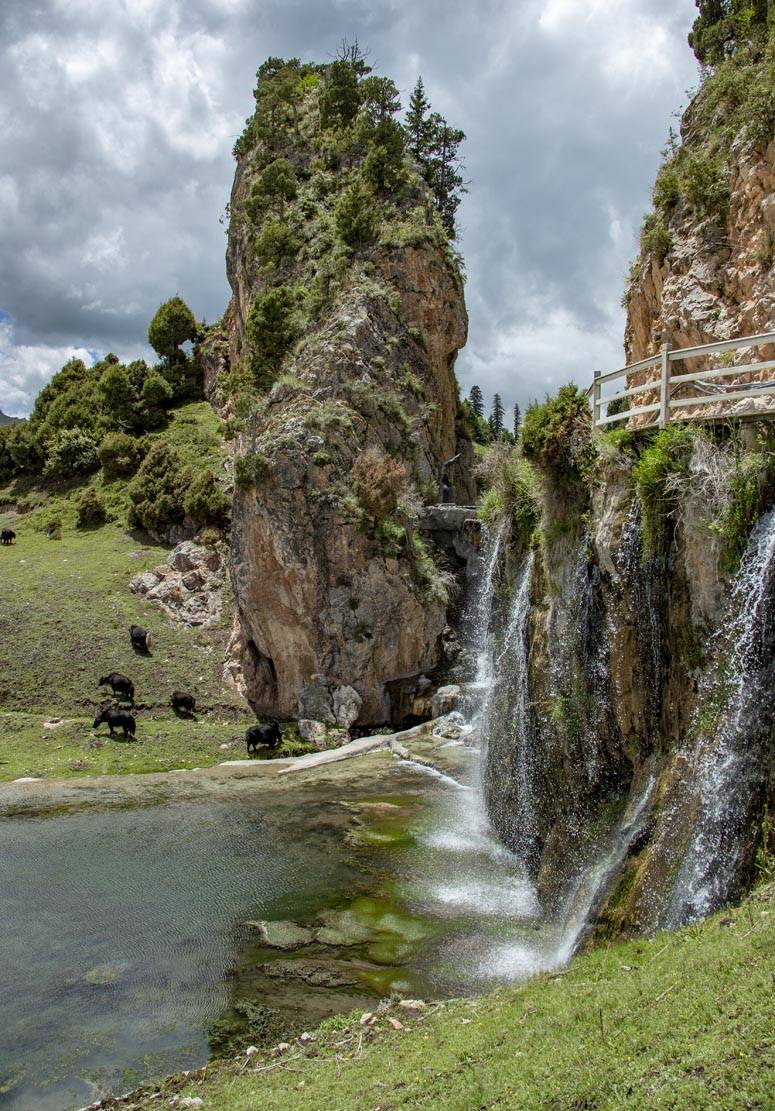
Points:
(65, 612)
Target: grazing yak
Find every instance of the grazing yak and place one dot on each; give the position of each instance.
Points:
(116, 719)
(268, 735)
(140, 639)
(183, 703)
(119, 684)
(7, 536)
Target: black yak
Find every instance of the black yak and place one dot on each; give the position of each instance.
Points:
(119, 684)
(140, 639)
(268, 735)
(116, 719)
(7, 536)
(183, 703)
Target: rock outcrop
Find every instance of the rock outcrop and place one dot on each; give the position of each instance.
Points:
(646, 689)
(346, 429)
(706, 269)
(188, 586)
(634, 677)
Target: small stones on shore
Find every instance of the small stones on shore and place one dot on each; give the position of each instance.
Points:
(412, 1004)
(280, 1048)
(395, 1024)
(306, 1038)
(251, 1051)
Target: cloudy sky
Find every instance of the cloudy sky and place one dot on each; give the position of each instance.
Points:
(117, 119)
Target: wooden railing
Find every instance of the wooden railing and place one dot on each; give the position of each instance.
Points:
(659, 386)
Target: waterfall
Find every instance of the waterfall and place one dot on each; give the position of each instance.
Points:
(480, 620)
(508, 733)
(644, 579)
(730, 765)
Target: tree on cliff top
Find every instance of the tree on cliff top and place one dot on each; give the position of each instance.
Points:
(435, 146)
(173, 325)
(723, 25)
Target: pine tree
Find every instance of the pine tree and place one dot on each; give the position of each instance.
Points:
(444, 166)
(352, 53)
(380, 99)
(517, 421)
(477, 401)
(435, 145)
(496, 416)
(418, 122)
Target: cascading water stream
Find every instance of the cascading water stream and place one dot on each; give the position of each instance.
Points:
(507, 731)
(730, 771)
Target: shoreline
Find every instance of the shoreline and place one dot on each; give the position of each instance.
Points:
(38, 797)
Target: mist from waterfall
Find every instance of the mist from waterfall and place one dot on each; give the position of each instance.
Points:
(730, 769)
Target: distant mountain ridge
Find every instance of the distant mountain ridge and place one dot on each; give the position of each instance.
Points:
(4, 419)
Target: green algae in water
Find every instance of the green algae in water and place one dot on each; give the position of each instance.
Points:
(392, 950)
(385, 982)
(385, 835)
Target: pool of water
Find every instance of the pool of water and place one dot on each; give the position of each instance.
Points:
(119, 929)
(126, 942)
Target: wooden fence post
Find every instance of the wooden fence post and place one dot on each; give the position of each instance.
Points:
(596, 398)
(664, 387)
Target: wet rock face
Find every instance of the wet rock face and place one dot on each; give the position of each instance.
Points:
(625, 671)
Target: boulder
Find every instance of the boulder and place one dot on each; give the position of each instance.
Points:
(188, 586)
(445, 700)
(282, 935)
(347, 704)
(313, 732)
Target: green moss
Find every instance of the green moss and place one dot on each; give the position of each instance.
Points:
(734, 107)
(512, 492)
(668, 453)
(249, 469)
(655, 236)
(751, 488)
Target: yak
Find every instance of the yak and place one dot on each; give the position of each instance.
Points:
(268, 735)
(119, 684)
(116, 719)
(7, 536)
(183, 703)
(140, 639)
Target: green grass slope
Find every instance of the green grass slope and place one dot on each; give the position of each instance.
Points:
(681, 1021)
(65, 612)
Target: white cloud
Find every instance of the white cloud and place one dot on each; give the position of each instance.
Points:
(105, 251)
(26, 368)
(117, 123)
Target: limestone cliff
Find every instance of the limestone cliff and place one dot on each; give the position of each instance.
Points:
(648, 689)
(337, 356)
(635, 749)
(706, 269)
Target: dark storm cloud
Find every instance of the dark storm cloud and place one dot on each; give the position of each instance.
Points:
(117, 122)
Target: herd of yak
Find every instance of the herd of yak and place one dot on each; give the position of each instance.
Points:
(182, 702)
